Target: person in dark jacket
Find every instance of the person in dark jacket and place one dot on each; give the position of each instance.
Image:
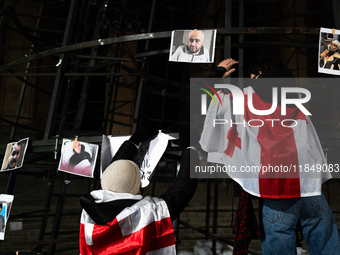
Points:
(79, 155)
(224, 68)
(330, 58)
(282, 216)
(117, 219)
(288, 199)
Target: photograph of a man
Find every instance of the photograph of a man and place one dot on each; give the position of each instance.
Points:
(192, 46)
(78, 157)
(329, 53)
(14, 156)
(330, 56)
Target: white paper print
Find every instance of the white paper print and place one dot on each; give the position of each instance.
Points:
(147, 158)
(5, 205)
(329, 51)
(78, 158)
(193, 46)
(14, 156)
(149, 154)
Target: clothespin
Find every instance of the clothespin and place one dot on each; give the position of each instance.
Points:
(333, 31)
(75, 141)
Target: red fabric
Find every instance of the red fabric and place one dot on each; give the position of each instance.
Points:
(108, 239)
(250, 143)
(277, 146)
(83, 248)
(234, 141)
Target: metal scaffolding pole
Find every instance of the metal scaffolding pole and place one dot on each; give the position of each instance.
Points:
(336, 11)
(4, 18)
(86, 83)
(72, 80)
(227, 25)
(241, 40)
(60, 72)
(141, 82)
(23, 89)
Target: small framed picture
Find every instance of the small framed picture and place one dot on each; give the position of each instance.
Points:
(5, 208)
(14, 156)
(329, 51)
(193, 46)
(78, 158)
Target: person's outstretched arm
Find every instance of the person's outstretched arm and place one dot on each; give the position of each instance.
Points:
(223, 69)
(128, 150)
(182, 191)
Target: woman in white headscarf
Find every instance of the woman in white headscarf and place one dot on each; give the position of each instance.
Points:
(330, 58)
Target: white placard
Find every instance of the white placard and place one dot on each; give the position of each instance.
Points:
(6, 205)
(148, 155)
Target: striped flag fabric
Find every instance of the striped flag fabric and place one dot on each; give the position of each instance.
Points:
(144, 228)
(272, 156)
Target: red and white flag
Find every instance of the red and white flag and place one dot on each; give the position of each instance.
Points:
(271, 156)
(144, 228)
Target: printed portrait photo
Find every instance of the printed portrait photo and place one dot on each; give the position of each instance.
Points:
(14, 156)
(78, 158)
(192, 46)
(5, 208)
(329, 51)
